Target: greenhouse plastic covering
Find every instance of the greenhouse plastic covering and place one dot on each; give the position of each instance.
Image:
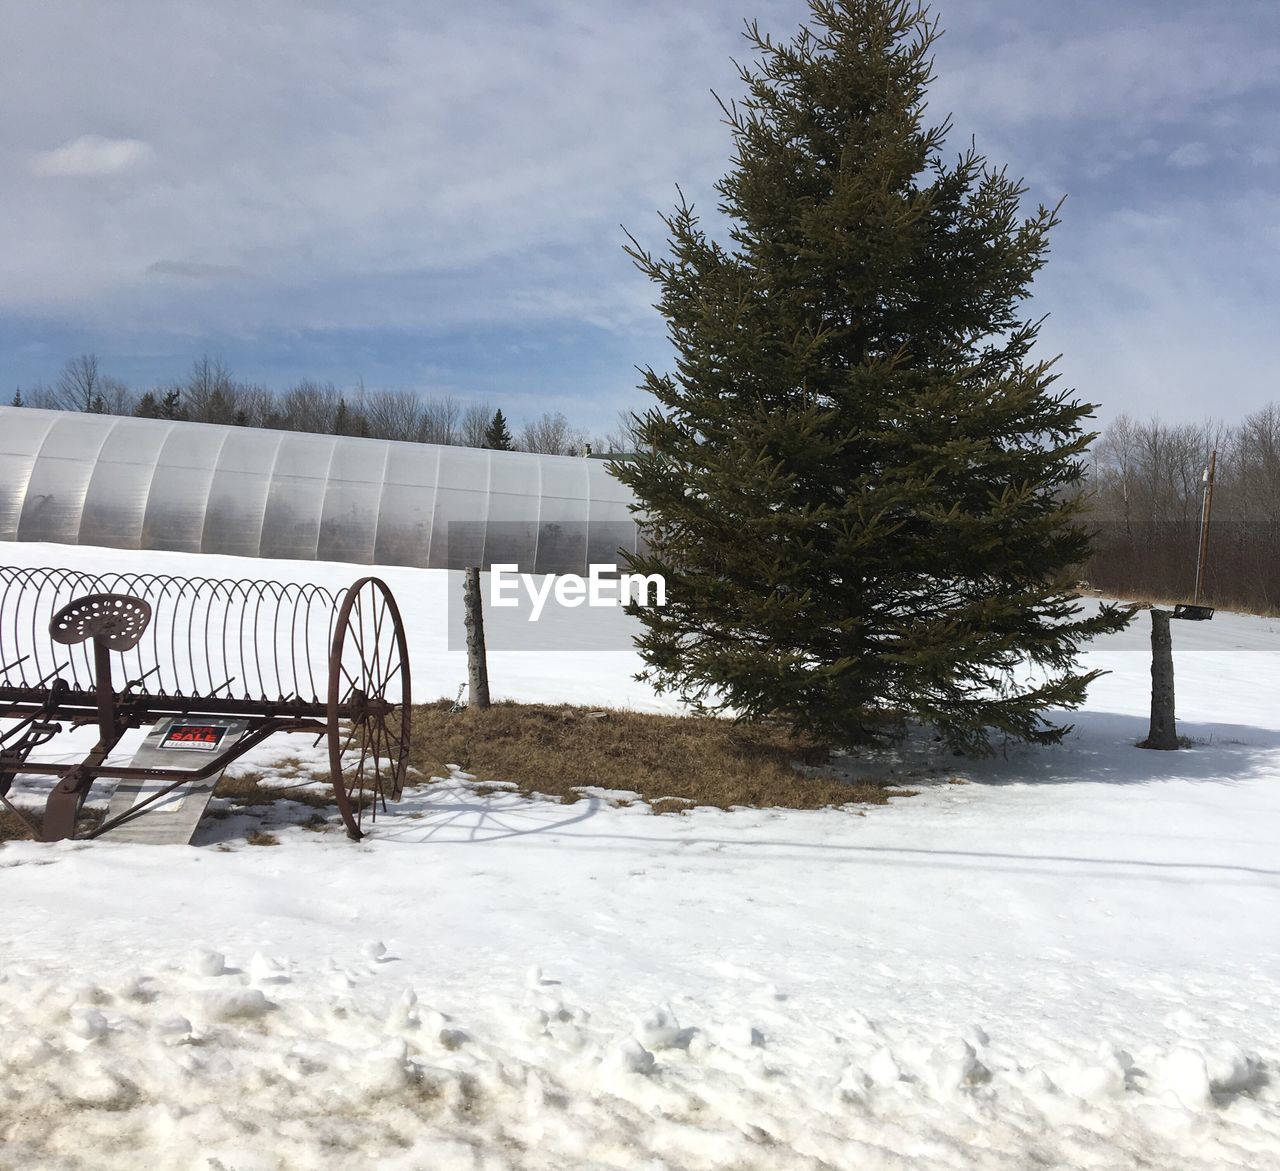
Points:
(127, 483)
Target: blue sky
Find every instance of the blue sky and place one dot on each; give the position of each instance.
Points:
(429, 195)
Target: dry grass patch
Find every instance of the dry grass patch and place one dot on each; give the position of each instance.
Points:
(262, 838)
(14, 829)
(247, 789)
(673, 762)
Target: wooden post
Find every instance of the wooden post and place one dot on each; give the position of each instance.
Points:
(477, 660)
(1163, 733)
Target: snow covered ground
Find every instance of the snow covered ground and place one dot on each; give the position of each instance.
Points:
(1070, 960)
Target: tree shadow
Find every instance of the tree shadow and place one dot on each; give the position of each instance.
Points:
(1102, 749)
(451, 811)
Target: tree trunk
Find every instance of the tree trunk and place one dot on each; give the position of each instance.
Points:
(477, 660)
(1163, 733)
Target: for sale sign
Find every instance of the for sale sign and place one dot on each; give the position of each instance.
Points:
(194, 737)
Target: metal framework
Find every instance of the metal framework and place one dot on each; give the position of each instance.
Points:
(120, 651)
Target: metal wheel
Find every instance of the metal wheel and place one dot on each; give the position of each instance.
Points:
(368, 707)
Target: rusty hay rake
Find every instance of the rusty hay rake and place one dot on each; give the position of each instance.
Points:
(217, 666)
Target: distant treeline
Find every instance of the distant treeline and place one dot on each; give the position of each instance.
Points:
(1147, 491)
(1145, 483)
(210, 394)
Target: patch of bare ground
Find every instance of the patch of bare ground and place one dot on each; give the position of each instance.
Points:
(27, 827)
(247, 788)
(14, 829)
(672, 762)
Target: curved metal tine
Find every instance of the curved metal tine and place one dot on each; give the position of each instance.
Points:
(12, 579)
(232, 665)
(330, 603)
(160, 610)
(35, 642)
(254, 642)
(302, 662)
(79, 654)
(207, 598)
(16, 582)
(191, 630)
(306, 643)
(172, 629)
(290, 604)
(184, 650)
(231, 619)
(275, 639)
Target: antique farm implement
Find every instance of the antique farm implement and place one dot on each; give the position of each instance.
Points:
(215, 667)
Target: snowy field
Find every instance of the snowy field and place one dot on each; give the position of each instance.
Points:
(1070, 960)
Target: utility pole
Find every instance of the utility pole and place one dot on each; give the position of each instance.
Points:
(1206, 510)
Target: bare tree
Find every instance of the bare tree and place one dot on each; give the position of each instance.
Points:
(622, 439)
(79, 384)
(439, 420)
(474, 423)
(309, 406)
(394, 414)
(43, 397)
(83, 387)
(209, 394)
(255, 404)
(551, 434)
(1147, 494)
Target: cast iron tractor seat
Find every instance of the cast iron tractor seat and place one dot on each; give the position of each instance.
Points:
(118, 620)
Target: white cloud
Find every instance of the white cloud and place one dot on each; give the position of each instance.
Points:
(439, 168)
(196, 270)
(1190, 154)
(90, 156)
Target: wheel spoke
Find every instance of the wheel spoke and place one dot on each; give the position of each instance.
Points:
(357, 632)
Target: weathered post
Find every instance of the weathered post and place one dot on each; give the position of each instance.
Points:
(1163, 733)
(477, 660)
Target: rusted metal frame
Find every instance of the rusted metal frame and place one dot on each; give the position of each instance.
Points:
(104, 692)
(128, 772)
(62, 807)
(14, 758)
(28, 714)
(24, 701)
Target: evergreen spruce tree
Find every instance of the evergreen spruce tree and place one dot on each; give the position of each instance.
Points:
(496, 435)
(171, 405)
(147, 407)
(858, 482)
(17, 397)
